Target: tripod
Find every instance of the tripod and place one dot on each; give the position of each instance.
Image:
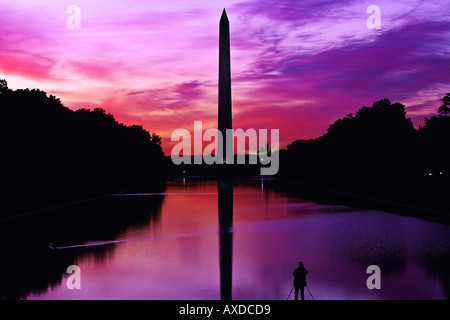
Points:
(293, 289)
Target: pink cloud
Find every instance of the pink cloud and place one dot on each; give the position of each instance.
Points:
(25, 64)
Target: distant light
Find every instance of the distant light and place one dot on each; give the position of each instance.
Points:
(440, 172)
(184, 171)
(430, 174)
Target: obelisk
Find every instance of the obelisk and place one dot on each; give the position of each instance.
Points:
(224, 121)
(225, 186)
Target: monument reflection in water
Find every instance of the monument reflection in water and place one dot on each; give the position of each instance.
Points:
(225, 211)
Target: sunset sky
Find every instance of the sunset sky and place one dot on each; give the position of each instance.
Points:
(296, 65)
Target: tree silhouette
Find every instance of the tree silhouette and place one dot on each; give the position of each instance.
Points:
(3, 86)
(62, 154)
(377, 151)
(371, 145)
(435, 141)
(444, 109)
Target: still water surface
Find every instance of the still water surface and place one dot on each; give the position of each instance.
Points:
(166, 243)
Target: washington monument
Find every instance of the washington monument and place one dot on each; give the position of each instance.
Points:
(224, 121)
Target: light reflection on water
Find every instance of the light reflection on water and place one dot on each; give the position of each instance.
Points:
(177, 254)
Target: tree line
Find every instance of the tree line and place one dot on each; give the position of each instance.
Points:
(378, 151)
(51, 154)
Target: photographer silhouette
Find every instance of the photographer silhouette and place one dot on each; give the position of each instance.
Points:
(300, 280)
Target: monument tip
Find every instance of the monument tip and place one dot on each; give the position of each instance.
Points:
(224, 15)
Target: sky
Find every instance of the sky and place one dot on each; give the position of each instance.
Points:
(297, 66)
